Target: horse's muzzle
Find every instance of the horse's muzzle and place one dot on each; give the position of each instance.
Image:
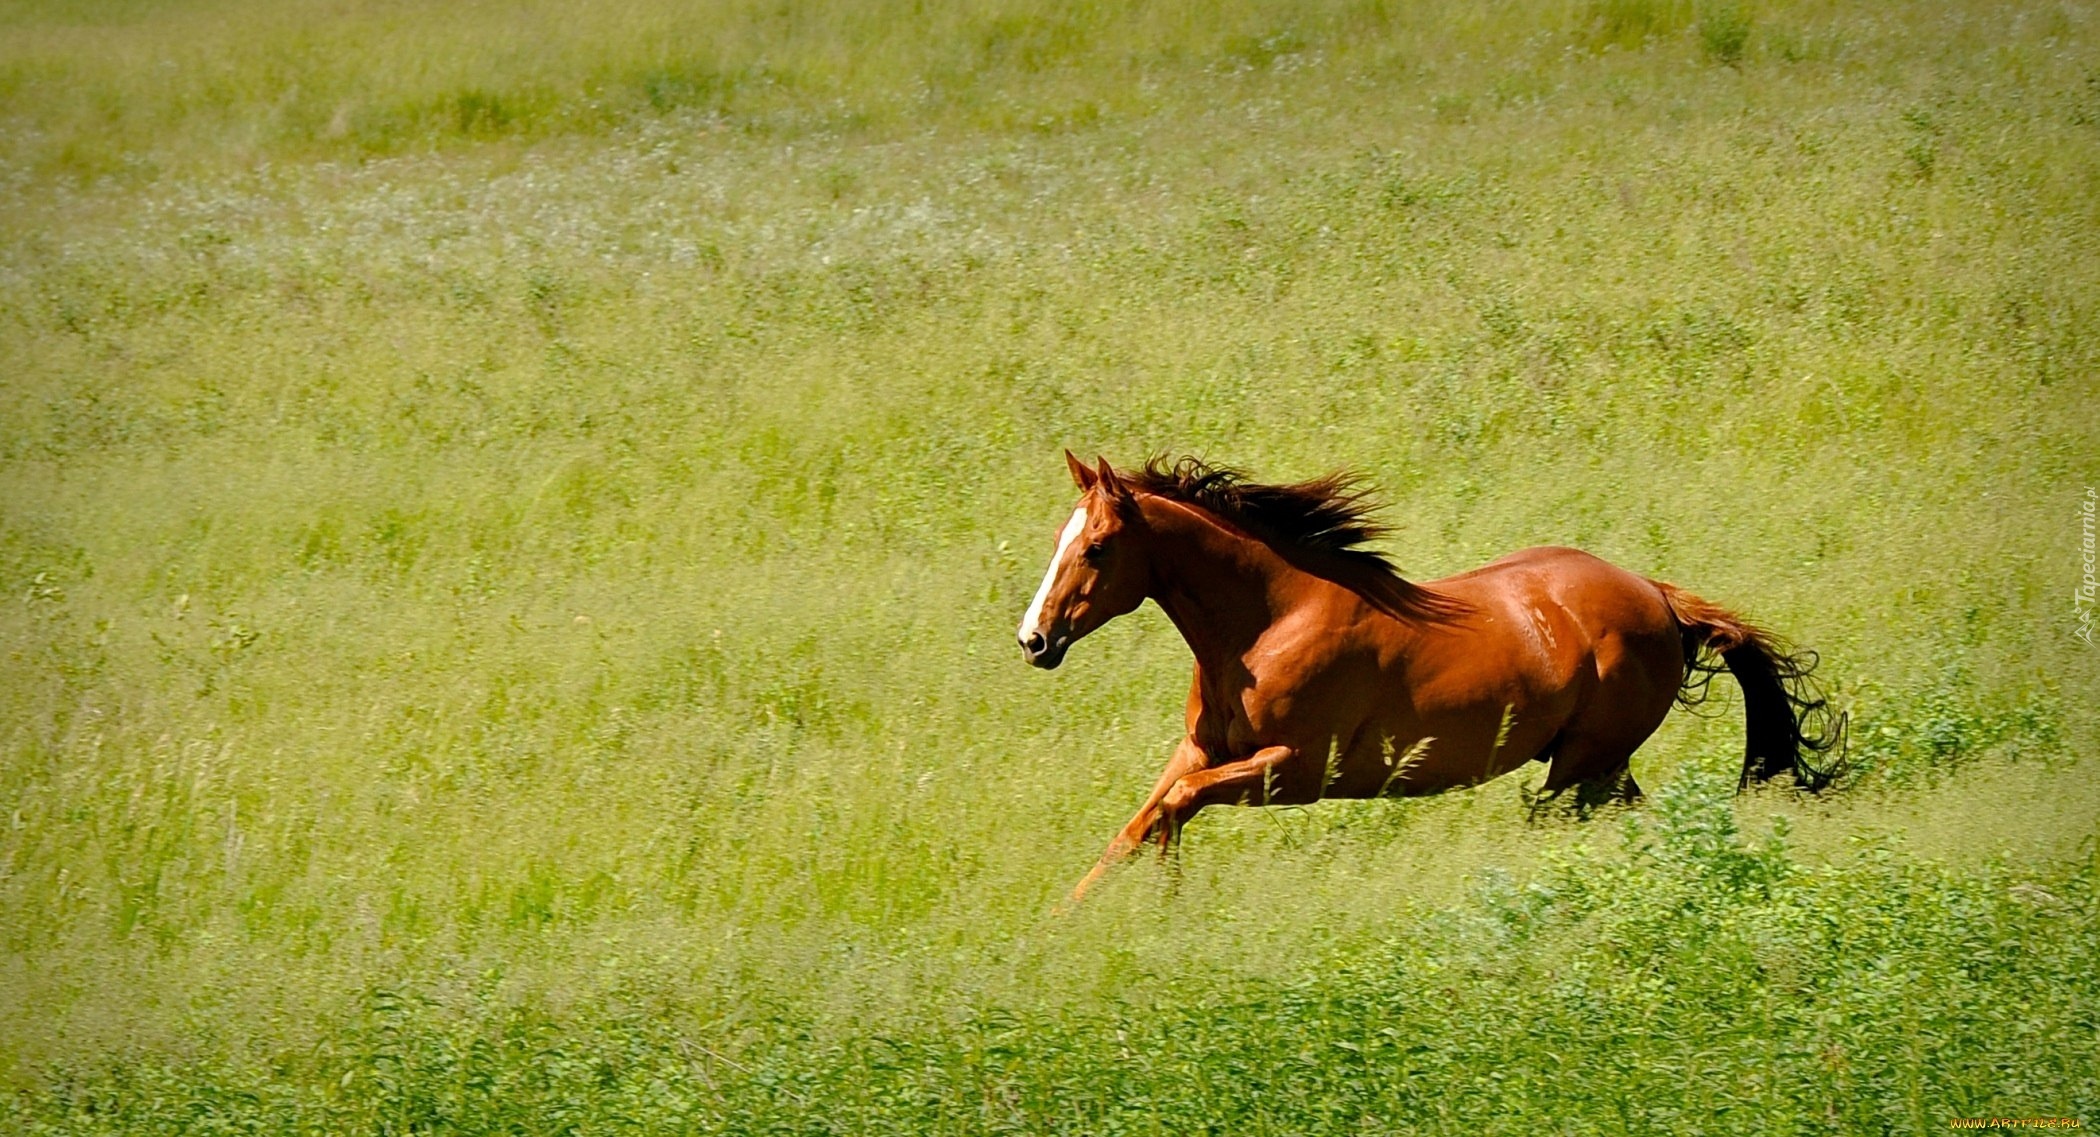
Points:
(1043, 652)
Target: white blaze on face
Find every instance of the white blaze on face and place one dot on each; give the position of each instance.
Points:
(1071, 533)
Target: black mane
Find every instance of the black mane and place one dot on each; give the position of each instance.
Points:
(1320, 525)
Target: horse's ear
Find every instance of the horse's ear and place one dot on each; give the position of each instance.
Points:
(1081, 476)
(1110, 483)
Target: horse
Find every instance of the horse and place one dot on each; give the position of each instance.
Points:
(1322, 673)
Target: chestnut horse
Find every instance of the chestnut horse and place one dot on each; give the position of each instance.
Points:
(1321, 673)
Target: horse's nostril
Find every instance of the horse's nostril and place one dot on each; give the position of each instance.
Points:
(1034, 644)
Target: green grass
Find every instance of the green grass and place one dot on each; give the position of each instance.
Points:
(511, 523)
(1706, 984)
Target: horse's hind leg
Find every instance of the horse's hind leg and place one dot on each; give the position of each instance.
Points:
(1636, 684)
(1596, 769)
(1606, 790)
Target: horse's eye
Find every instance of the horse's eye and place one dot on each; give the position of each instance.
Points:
(1094, 551)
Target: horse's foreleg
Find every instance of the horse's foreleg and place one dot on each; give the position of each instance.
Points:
(1252, 779)
(1187, 759)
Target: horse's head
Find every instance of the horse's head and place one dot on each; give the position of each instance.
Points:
(1096, 574)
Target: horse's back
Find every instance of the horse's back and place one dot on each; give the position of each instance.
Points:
(1602, 596)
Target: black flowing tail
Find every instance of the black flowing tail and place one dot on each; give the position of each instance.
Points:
(1786, 720)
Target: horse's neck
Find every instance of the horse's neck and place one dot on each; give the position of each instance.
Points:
(1222, 590)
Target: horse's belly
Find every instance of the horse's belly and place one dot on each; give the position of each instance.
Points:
(1416, 758)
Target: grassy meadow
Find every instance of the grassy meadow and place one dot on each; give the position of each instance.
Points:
(512, 519)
